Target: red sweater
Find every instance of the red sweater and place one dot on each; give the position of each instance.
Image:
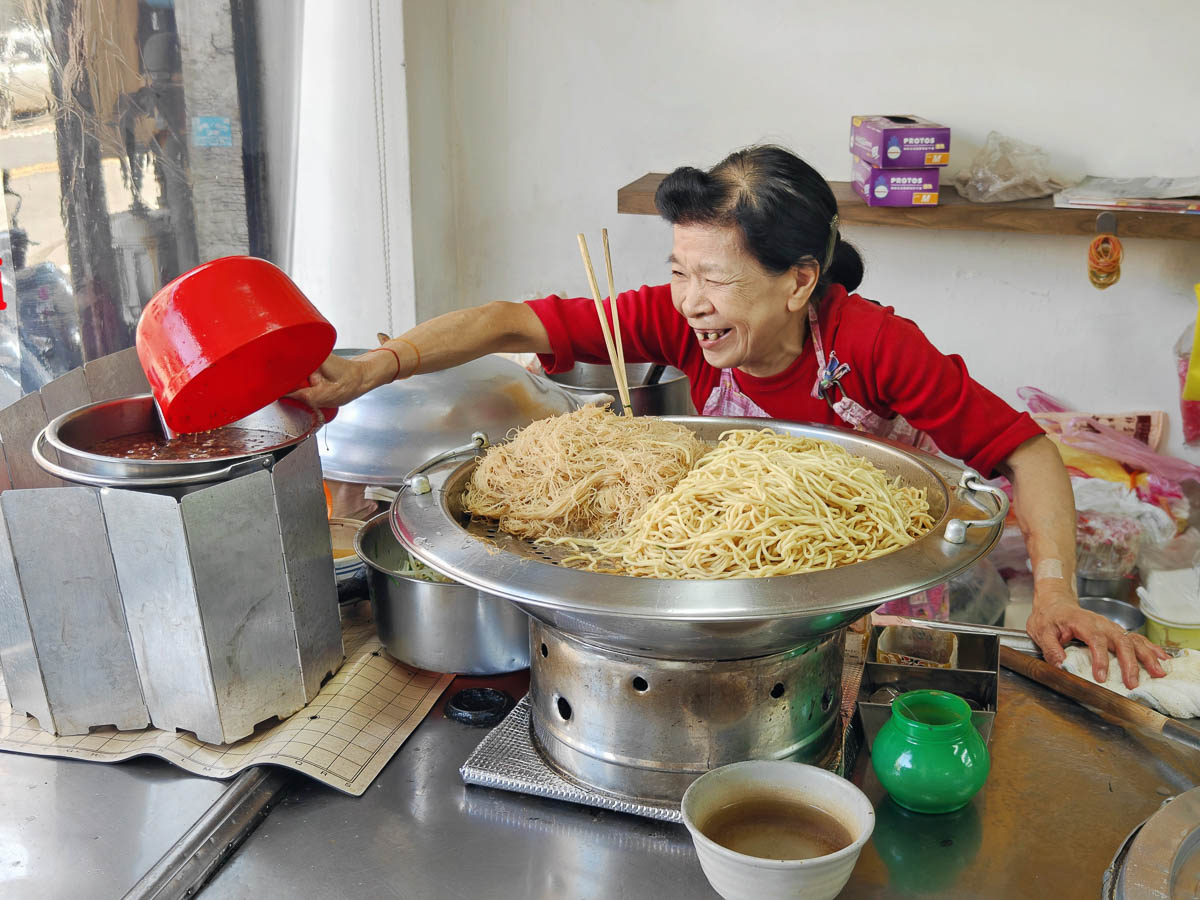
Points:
(894, 369)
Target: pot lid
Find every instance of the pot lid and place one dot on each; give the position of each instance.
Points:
(387, 432)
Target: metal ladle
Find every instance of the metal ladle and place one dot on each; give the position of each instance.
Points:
(654, 375)
(168, 432)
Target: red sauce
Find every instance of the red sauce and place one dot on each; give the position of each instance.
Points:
(220, 442)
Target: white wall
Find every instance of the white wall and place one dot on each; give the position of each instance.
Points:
(553, 105)
(434, 233)
(352, 245)
(280, 40)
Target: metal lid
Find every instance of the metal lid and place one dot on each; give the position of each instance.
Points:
(387, 432)
(698, 616)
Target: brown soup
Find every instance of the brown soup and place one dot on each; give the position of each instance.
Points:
(228, 441)
(776, 828)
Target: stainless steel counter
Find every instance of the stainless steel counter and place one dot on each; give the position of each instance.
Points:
(1064, 791)
(71, 829)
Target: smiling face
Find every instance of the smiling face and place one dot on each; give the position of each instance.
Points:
(741, 314)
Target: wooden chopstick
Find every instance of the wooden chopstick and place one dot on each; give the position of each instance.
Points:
(618, 370)
(616, 318)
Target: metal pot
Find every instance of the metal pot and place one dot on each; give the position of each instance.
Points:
(1124, 614)
(668, 395)
(60, 448)
(444, 627)
(694, 619)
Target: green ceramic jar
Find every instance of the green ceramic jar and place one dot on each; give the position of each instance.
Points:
(928, 756)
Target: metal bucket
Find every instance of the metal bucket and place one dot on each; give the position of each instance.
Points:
(444, 627)
(669, 396)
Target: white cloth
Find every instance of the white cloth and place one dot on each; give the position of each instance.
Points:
(1176, 694)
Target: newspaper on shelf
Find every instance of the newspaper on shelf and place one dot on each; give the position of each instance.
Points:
(1151, 194)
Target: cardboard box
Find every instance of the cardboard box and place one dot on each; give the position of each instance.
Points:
(899, 142)
(894, 187)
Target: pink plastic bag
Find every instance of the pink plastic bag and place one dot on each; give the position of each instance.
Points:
(1089, 434)
(1148, 426)
(1038, 401)
(1159, 491)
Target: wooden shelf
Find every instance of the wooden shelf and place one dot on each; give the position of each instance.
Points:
(1029, 216)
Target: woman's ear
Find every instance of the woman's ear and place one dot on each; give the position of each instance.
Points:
(804, 282)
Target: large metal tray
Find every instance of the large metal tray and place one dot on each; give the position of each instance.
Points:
(685, 619)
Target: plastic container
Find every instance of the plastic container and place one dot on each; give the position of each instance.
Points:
(928, 756)
(736, 876)
(1189, 410)
(226, 339)
(1171, 635)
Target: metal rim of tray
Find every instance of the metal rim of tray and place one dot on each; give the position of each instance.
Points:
(70, 462)
(1151, 857)
(428, 522)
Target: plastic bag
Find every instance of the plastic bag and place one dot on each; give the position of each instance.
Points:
(979, 595)
(1008, 169)
(1106, 546)
(1111, 504)
(1093, 435)
(1148, 426)
(1189, 410)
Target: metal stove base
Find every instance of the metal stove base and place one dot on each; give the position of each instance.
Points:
(507, 759)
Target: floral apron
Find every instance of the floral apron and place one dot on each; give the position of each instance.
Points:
(727, 400)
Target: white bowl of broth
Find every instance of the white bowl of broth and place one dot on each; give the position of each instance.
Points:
(768, 829)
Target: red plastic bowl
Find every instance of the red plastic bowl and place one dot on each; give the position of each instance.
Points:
(226, 339)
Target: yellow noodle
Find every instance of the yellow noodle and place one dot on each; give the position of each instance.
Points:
(763, 504)
(587, 473)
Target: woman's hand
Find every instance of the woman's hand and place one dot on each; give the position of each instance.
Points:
(340, 380)
(1058, 619)
(450, 339)
(1044, 505)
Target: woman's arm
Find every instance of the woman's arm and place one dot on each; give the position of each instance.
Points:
(1045, 509)
(444, 341)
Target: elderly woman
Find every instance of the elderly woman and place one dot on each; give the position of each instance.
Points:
(759, 313)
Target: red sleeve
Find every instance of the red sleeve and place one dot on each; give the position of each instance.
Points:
(935, 393)
(651, 330)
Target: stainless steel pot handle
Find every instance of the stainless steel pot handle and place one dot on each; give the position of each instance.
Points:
(956, 529)
(241, 467)
(416, 482)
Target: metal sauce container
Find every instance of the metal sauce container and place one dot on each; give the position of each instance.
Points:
(653, 390)
(445, 627)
